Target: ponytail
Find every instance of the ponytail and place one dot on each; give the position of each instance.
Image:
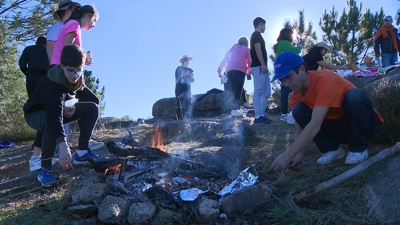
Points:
(80, 11)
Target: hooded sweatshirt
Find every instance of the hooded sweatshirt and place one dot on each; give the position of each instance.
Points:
(285, 46)
(50, 94)
(237, 58)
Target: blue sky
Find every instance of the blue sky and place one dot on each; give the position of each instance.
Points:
(136, 45)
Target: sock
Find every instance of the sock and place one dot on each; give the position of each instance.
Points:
(262, 115)
(81, 152)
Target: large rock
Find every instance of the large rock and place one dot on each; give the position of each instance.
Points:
(165, 108)
(215, 102)
(89, 193)
(372, 89)
(89, 187)
(238, 203)
(208, 209)
(383, 194)
(141, 212)
(166, 215)
(113, 209)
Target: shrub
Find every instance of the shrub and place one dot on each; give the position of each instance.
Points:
(388, 105)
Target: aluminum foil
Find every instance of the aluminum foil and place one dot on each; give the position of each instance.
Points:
(190, 194)
(246, 178)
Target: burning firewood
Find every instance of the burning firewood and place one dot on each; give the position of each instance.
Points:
(192, 168)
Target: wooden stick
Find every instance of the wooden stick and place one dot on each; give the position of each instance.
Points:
(348, 174)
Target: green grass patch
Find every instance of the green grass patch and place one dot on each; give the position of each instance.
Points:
(40, 213)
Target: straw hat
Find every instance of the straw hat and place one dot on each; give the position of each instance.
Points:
(323, 45)
(185, 57)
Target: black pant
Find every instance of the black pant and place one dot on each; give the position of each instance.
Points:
(183, 96)
(235, 85)
(86, 113)
(31, 81)
(285, 91)
(86, 95)
(359, 124)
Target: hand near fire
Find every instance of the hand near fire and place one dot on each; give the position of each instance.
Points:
(283, 162)
(280, 163)
(65, 155)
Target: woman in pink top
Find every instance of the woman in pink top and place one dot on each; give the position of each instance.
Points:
(237, 62)
(82, 17)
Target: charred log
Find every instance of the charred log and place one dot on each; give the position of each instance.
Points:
(170, 160)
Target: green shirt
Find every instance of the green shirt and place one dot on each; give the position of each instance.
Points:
(285, 46)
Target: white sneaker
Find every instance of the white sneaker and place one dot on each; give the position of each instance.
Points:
(35, 162)
(332, 156)
(356, 157)
(236, 113)
(284, 117)
(95, 145)
(290, 119)
(248, 105)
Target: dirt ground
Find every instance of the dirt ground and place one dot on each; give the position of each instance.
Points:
(24, 201)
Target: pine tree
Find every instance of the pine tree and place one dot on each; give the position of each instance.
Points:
(93, 84)
(12, 93)
(352, 35)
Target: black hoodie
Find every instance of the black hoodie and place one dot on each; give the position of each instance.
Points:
(50, 94)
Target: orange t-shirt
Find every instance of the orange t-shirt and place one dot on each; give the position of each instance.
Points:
(326, 89)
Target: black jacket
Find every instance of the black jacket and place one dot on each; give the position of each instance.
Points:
(386, 44)
(50, 94)
(34, 60)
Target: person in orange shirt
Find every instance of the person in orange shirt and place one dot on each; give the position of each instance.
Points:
(327, 109)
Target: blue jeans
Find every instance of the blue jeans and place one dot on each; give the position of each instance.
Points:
(359, 124)
(388, 59)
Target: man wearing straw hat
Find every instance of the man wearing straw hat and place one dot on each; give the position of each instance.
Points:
(183, 80)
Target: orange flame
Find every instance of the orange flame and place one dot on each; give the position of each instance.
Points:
(157, 139)
(113, 169)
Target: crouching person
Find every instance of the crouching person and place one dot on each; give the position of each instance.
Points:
(45, 112)
(327, 109)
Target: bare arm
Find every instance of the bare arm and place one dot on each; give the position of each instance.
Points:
(328, 66)
(49, 48)
(70, 38)
(303, 140)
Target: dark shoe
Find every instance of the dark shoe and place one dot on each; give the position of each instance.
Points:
(44, 178)
(266, 118)
(251, 113)
(263, 120)
(85, 158)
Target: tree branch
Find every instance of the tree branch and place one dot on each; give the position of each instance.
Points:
(13, 5)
